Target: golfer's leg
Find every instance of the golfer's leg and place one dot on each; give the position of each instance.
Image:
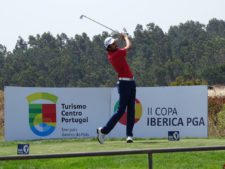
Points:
(131, 111)
(123, 99)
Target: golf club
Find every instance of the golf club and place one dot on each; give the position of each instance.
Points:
(114, 31)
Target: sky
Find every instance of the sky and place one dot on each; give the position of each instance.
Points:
(31, 17)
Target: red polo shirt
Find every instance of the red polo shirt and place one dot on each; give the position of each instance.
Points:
(118, 60)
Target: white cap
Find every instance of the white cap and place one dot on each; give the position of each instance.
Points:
(108, 41)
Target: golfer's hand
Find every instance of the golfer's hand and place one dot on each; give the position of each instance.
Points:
(127, 41)
(123, 36)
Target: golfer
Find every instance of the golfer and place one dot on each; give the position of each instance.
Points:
(126, 88)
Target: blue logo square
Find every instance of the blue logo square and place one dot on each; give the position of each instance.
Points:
(173, 135)
(23, 149)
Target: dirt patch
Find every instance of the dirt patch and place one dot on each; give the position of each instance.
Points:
(216, 91)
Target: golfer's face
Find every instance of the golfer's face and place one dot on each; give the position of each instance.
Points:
(113, 46)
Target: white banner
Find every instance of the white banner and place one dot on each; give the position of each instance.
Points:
(44, 113)
(39, 113)
(163, 109)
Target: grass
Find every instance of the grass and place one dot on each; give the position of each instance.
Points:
(192, 160)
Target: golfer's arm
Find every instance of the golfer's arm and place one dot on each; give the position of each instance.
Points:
(128, 42)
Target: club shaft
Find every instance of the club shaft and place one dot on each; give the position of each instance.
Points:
(99, 23)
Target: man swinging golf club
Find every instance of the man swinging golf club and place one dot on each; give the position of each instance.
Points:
(126, 88)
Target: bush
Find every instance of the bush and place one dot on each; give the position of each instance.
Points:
(221, 121)
(216, 112)
(182, 81)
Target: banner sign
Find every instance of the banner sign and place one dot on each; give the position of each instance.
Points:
(44, 113)
(163, 109)
(40, 113)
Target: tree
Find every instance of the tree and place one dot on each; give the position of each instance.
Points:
(216, 27)
(189, 51)
(215, 74)
(3, 53)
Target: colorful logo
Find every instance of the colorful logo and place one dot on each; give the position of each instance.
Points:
(42, 117)
(138, 112)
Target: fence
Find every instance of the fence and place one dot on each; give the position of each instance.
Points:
(149, 152)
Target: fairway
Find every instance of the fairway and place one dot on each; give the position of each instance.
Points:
(199, 160)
